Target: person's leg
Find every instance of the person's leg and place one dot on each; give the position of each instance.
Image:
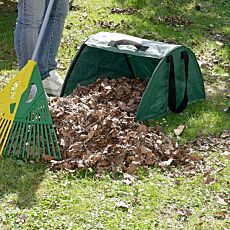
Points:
(30, 16)
(52, 38)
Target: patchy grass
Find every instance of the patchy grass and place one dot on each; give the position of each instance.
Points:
(33, 197)
(201, 119)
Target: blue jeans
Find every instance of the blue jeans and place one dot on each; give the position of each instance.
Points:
(30, 17)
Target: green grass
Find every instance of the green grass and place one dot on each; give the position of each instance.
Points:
(33, 197)
(7, 53)
(201, 119)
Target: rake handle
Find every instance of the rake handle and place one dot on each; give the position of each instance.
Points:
(23, 80)
(42, 30)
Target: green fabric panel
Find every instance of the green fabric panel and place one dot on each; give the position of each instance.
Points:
(96, 63)
(155, 98)
(195, 80)
(143, 67)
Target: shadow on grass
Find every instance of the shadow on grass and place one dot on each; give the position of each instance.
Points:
(204, 15)
(19, 182)
(7, 52)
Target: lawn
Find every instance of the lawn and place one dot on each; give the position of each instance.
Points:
(34, 197)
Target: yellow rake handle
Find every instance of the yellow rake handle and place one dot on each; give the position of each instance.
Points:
(6, 100)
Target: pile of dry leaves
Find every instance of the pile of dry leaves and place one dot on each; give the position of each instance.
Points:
(96, 128)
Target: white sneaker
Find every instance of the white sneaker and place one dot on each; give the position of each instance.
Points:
(53, 83)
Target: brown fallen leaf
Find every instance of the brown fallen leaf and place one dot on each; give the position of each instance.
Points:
(145, 150)
(226, 154)
(178, 131)
(220, 215)
(195, 158)
(47, 158)
(159, 129)
(133, 167)
(220, 200)
(209, 180)
(166, 163)
(142, 128)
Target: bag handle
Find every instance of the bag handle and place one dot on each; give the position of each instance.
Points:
(172, 85)
(128, 42)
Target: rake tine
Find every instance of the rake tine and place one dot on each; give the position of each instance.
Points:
(47, 141)
(29, 140)
(9, 140)
(13, 137)
(25, 138)
(34, 135)
(38, 140)
(5, 150)
(1, 121)
(50, 133)
(3, 128)
(43, 139)
(56, 141)
(16, 142)
(33, 142)
(5, 133)
(21, 140)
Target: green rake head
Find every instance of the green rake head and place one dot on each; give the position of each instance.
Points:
(32, 135)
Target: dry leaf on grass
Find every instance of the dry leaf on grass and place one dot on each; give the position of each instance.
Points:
(221, 200)
(47, 158)
(166, 163)
(226, 154)
(178, 131)
(220, 215)
(195, 158)
(209, 180)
